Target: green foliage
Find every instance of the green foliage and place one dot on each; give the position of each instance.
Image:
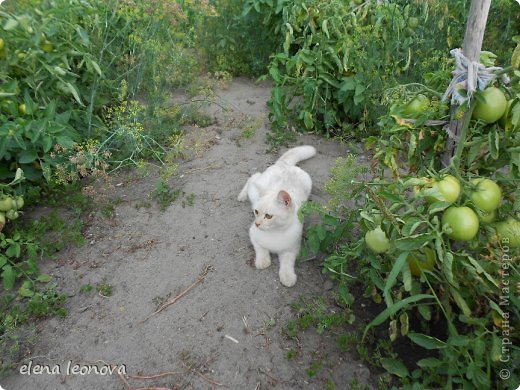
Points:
(336, 57)
(232, 40)
(317, 314)
(465, 287)
(42, 303)
(164, 195)
(64, 63)
(104, 288)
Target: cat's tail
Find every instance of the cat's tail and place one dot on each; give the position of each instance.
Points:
(295, 155)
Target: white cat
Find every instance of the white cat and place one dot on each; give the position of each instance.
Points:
(276, 195)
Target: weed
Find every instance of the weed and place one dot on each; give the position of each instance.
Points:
(277, 138)
(104, 288)
(188, 200)
(316, 313)
(249, 129)
(14, 313)
(86, 288)
(347, 340)
(291, 354)
(164, 195)
(291, 329)
(108, 209)
(317, 364)
(330, 385)
(355, 385)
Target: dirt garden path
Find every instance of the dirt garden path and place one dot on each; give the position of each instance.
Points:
(227, 330)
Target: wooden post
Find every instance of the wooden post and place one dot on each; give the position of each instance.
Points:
(478, 14)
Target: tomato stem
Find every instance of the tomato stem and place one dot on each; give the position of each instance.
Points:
(455, 162)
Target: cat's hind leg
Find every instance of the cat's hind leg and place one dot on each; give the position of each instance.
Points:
(286, 273)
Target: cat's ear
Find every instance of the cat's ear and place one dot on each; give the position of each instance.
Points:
(284, 198)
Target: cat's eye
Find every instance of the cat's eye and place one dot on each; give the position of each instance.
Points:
(256, 212)
(268, 216)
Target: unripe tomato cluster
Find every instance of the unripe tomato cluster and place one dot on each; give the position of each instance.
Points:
(461, 223)
(9, 208)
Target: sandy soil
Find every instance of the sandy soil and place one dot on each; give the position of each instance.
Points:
(227, 330)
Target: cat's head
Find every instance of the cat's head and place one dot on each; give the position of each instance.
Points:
(274, 211)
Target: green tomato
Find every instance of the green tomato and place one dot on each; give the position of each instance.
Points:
(377, 241)
(417, 106)
(19, 202)
(12, 214)
(487, 194)
(413, 22)
(492, 107)
(508, 232)
(2, 220)
(47, 46)
(487, 217)
(6, 203)
(448, 188)
(423, 259)
(2, 43)
(22, 109)
(463, 222)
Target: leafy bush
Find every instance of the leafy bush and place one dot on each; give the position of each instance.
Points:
(442, 288)
(337, 57)
(64, 62)
(234, 41)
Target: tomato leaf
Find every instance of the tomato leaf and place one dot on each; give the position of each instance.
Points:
(494, 144)
(390, 311)
(72, 89)
(395, 367)
(392, 277)
(413, 242)
(407, 278)
(43, 278)
(426, 341)
(8, 277)
(447, 265)
(27, 156)
(425, 312)
(461, 303)
(430, 362)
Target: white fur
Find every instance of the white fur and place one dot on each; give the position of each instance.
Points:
(276, 195)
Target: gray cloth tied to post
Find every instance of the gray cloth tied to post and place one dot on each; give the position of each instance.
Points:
(468, 76)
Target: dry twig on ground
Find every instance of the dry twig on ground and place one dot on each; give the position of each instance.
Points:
(171, 301)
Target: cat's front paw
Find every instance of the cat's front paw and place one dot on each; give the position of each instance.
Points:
(287, 277)
(262, 262)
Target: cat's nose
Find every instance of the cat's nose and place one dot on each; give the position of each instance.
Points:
(257, 224)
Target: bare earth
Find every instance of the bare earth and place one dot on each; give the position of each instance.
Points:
(227, 329)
